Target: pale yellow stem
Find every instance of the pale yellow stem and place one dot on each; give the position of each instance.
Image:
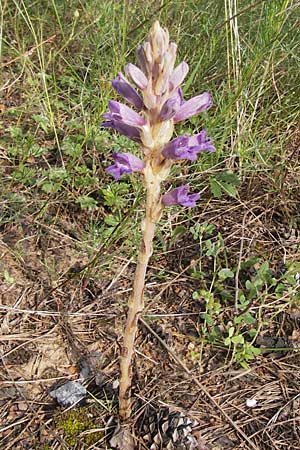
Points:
(136, 301)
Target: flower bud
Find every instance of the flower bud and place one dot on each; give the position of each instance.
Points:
(137, 76)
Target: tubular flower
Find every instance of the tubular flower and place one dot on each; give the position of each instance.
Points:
(171, 106)
(137, 76)
(193, 107)
(132, 133)
(178, 75)
(188, 147)
(180, 196)
(124, 114)
(124, 88)
(125, 163)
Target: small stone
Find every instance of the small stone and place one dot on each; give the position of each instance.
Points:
(69, 394)
(251, 402)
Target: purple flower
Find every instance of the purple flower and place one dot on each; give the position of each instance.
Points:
(180, 196)
(193, 106)
(124, 163)
(202, 142)
(188, 147)
(124, 114)
(137, 76)
(178, 75)
(179, 148)
(124, 88)
(171, 106)
(131, 132)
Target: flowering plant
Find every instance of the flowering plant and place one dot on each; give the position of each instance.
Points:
(159, 105)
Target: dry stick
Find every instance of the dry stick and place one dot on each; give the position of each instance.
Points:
(136, 300)
(201, 387)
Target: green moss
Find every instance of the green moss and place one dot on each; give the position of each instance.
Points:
(74, 422)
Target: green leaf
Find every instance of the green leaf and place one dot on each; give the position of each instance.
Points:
(229, 177)
(50, 188)
(248, 284)
(225, 273)
(224, 183)
(249, 319)
(111, 221)
(195, 295)
(177, 233)
(239, 339)
(255, 350)
(231, 332)
(227, 341)
(42, 121)
(249, 263)
(8, 278)
(215, 187)
(86, 202)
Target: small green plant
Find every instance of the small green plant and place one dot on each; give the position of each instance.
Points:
(74, 423)
(86, 202)
(224, 183)
(242, 351)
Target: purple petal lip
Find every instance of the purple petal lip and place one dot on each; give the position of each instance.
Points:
(125, 163)
(137, 76)
(124, 88)
(193, 107)
(180, 196)
(188, 147)
(202, 142)
(171, 106)
(123, 113)
(126, 130)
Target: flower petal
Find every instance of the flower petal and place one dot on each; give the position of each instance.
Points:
(188, 147)
(180, 196)
(124, 88)
(193, 106)
(202, 142)
(124, 114)
(125, 163)
(179, 148)
(126, 130)
(171, 106)
(137, 76)
(131, 161)
(178, 75)
(159, 39)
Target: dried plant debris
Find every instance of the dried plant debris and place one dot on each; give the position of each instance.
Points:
(122, 439)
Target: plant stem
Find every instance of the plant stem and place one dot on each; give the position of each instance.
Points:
(136, 300)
